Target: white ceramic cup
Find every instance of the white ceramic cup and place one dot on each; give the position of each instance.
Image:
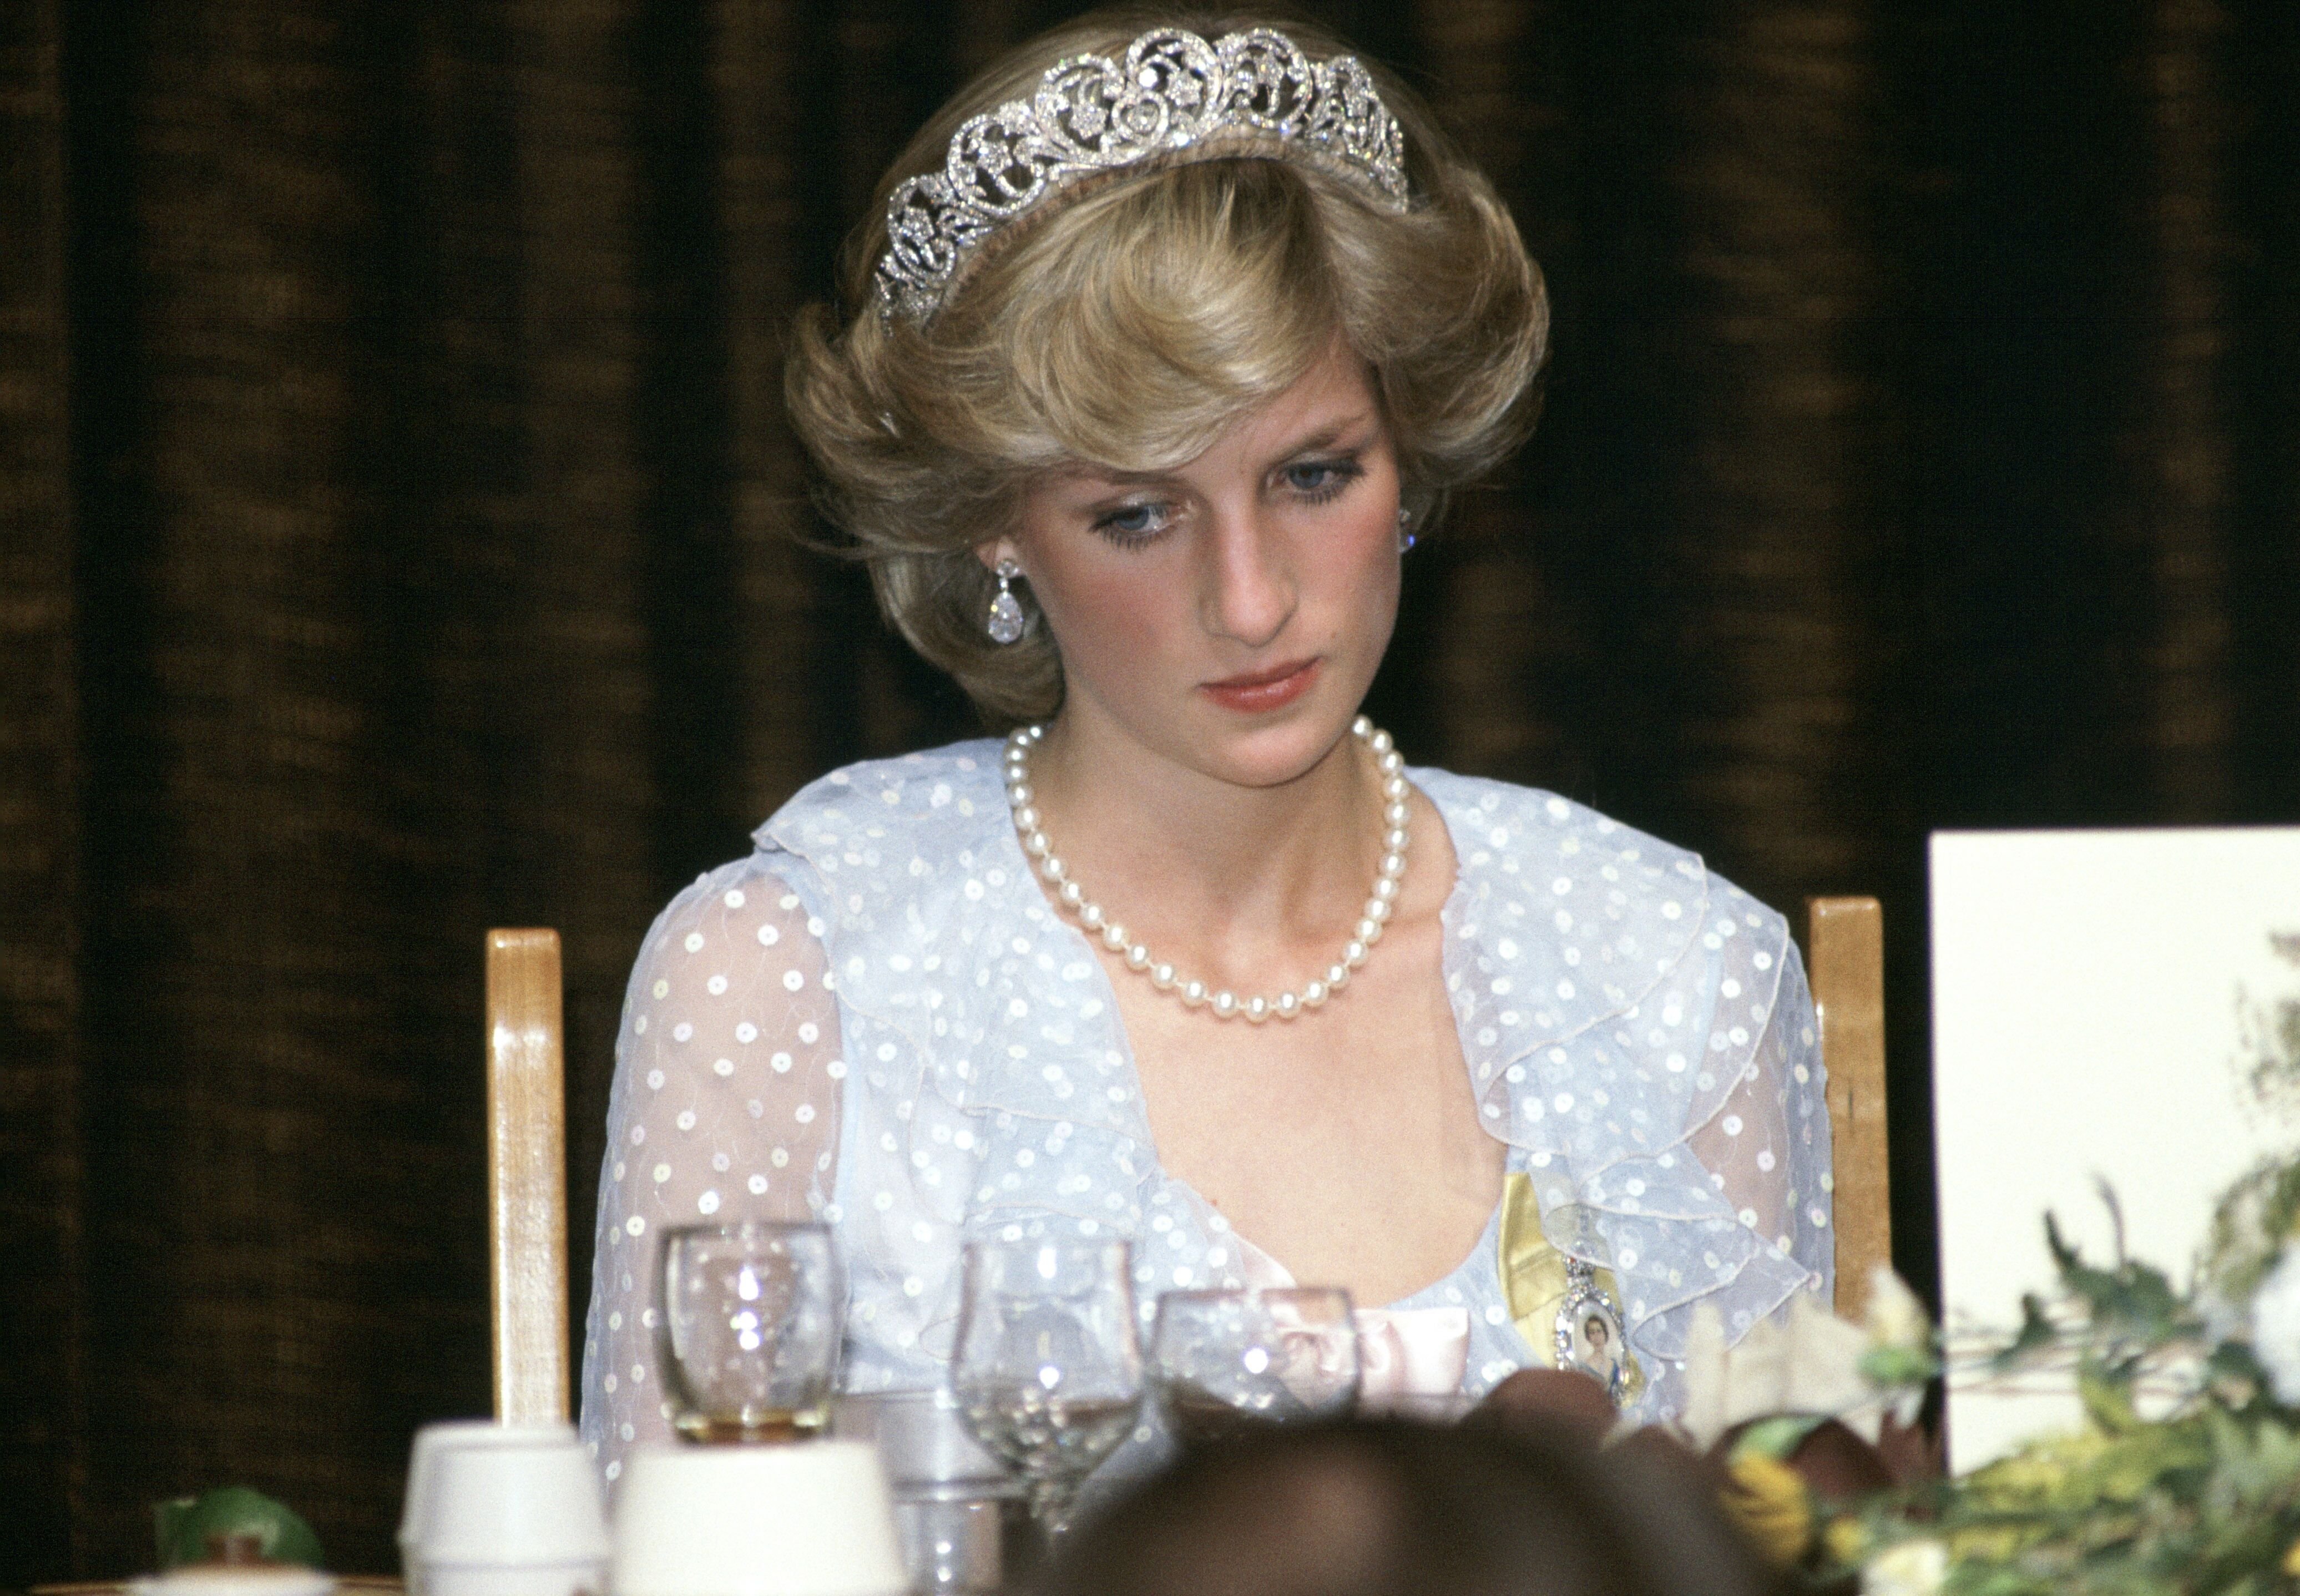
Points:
(502, 1510)
(432, 1440)
(812, 1519)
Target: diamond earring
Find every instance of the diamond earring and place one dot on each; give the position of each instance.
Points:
(1005, 622)
(1406, 538)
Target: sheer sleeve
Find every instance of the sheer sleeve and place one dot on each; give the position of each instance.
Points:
(1766, 1148)
(725, 1105)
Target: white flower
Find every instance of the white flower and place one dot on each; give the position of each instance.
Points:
(1806, 1360)
(1912, 1568)
(1895, 1319)
(2276, 1326)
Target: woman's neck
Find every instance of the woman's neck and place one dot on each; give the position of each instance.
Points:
(1244, 883)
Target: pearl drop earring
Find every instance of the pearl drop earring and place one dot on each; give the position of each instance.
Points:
(1005, 622)
(1406, 538)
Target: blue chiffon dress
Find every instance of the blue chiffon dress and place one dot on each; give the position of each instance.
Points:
(877, 1019)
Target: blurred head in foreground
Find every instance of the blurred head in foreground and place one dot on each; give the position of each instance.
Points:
(1375, 1508)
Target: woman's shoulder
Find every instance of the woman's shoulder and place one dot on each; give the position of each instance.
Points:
(906, 865)
(862, 831)
(875, 804)
(1612, 992)
(1526, 845)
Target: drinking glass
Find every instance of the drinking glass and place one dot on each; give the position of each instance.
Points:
(1047, 1371)
(961, 1518)
(751, 1323)
(1224, 1363)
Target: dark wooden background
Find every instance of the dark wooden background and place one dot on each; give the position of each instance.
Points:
(397, 505)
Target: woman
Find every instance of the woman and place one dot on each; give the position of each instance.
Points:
(1173, 337)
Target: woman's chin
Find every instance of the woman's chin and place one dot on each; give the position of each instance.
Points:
(1278, 749)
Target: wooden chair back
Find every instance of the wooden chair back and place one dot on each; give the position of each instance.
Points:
(1844, 948)
(527, 1177)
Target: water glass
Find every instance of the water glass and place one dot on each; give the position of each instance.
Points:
(1226, 1362)
(753, 1314)
(961, 1516)
(1047, 1371)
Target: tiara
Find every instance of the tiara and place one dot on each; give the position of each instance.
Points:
(1172, 91)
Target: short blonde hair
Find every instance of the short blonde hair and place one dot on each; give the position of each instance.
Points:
(1125, 322)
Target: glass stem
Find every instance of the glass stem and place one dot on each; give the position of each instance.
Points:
(1051, 1497)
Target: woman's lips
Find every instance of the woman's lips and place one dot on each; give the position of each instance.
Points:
(1257, 692)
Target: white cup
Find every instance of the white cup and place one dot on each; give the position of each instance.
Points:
(432, 1440)
(502, 1510)
(807, 1519)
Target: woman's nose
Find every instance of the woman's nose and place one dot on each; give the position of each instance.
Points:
(1250, 594)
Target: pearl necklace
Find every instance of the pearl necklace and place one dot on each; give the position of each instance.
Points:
(1225, 1005)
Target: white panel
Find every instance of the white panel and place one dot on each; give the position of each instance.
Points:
(2085, 1022)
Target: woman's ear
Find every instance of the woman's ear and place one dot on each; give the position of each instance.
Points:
(996, 549)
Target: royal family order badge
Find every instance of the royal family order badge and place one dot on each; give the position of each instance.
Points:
(1588, 1333)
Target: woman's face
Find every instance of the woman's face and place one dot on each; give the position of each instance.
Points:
(1228, 614)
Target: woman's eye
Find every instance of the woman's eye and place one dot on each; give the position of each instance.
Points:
(1318, 481)
(1132, 524)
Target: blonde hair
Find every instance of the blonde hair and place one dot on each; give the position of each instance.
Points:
(1127, 322)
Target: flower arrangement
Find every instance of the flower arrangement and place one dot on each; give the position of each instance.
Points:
(2184, 1481)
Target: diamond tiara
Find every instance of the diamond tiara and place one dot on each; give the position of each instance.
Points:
(1246, 93)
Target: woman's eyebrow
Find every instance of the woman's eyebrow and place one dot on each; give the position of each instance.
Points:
(1095, 479)
(1098, 479)
(1325, 436)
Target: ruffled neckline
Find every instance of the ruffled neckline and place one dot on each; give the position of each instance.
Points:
(1582, 959)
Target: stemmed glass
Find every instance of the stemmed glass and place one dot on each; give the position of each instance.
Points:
(1047, 1371)
(750, 1329)
(1224, 1363)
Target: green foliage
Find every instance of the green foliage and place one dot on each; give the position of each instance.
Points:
(2201, 1498)
(183, 1526)
(2132, 1303)
(2269, 1050)
(1777, 1436)
(2206, 1505)
(1887, 1367)
(2249, 1226)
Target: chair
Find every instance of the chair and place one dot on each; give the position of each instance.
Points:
(527, 1177)
(1844, 948)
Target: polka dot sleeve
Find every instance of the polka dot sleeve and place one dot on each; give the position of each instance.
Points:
(1766, 1146)
(725, 1107)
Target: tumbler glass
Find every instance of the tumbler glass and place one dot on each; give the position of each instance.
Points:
(753, 1314)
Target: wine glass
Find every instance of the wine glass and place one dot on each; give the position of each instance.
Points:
(1047, 1371)
(1224, 1363)
(751, 1325)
